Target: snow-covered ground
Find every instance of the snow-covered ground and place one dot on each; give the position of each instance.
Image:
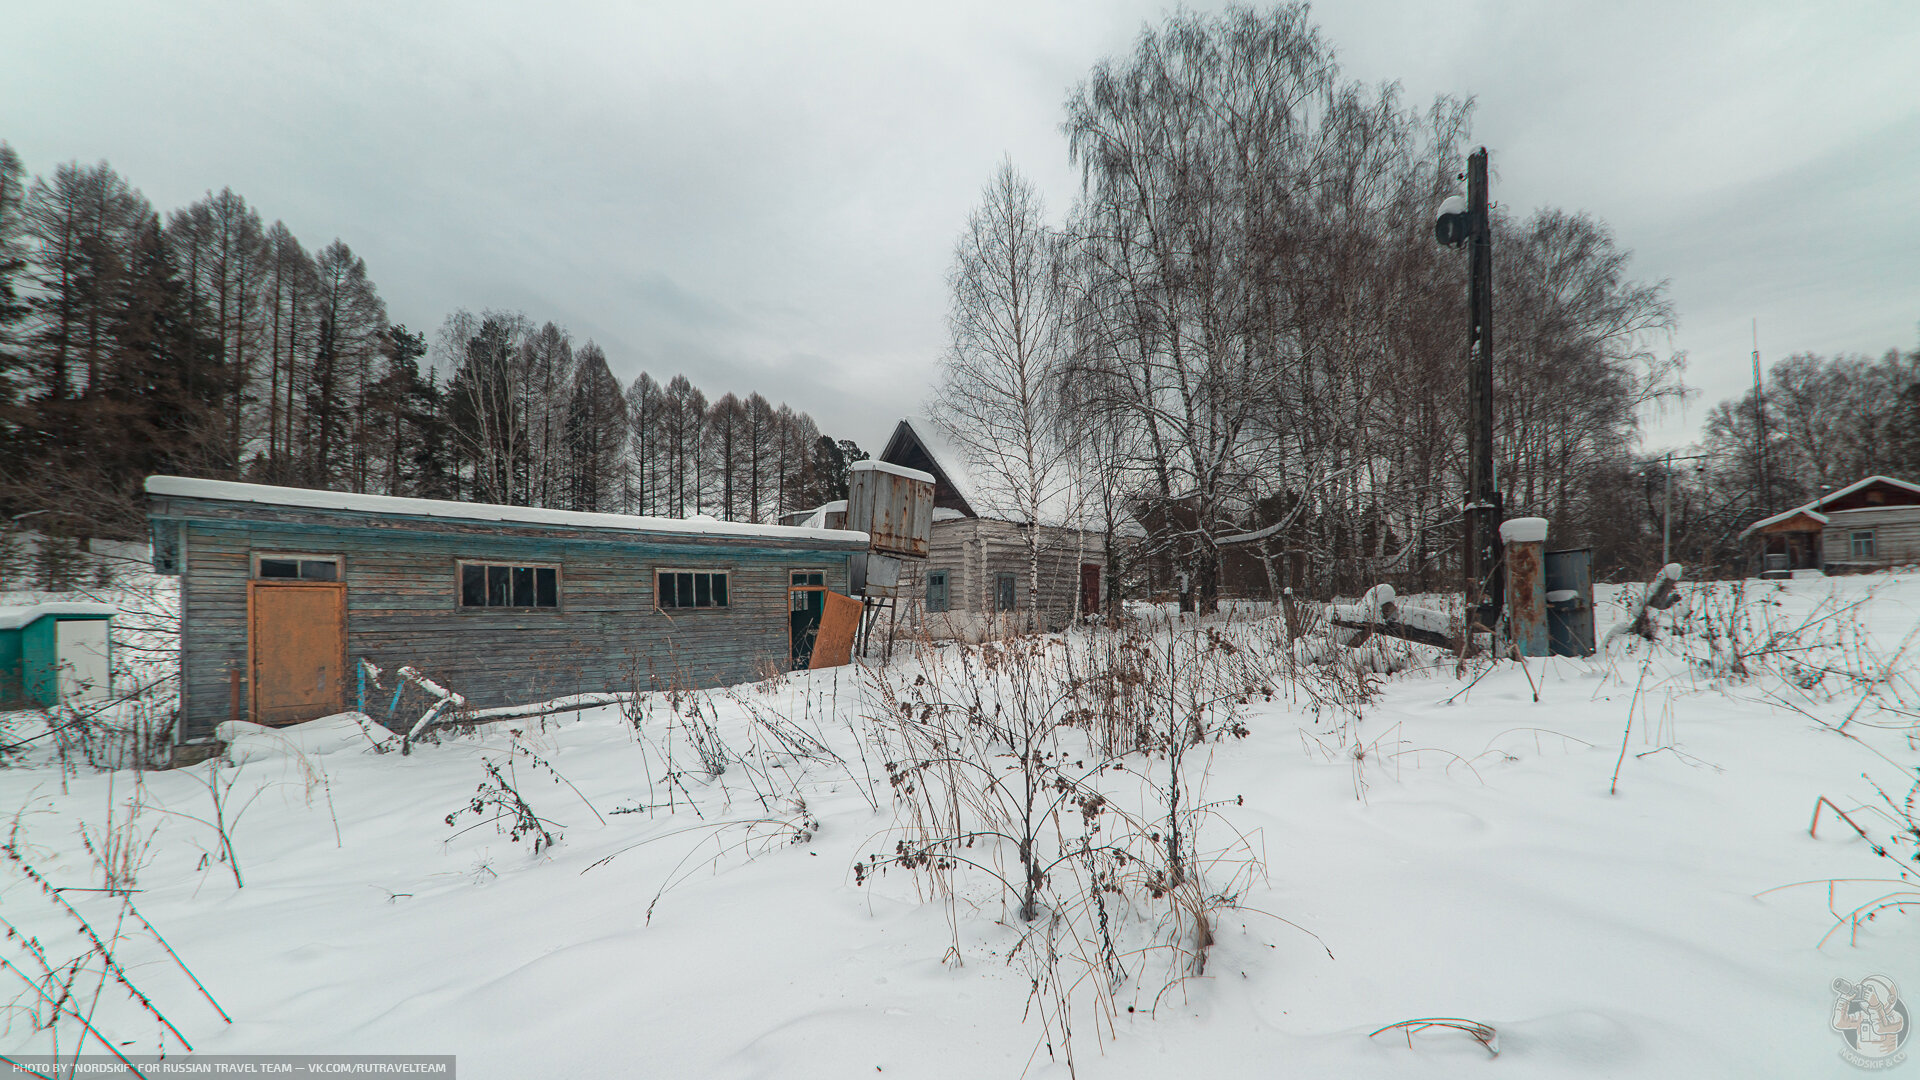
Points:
(1453, 850)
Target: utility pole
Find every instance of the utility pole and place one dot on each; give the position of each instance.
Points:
(1465, 221)
(1484, 574)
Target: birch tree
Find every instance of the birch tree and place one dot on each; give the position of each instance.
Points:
(996, 398)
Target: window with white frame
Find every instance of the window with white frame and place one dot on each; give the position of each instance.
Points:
(1862, 543)
(509, 585)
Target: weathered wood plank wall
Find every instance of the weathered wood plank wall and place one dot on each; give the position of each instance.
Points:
(1896, 536)
(975, 551)
(402, 604)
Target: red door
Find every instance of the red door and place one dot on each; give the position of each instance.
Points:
(1089, 589)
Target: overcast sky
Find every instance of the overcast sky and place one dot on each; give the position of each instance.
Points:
(764, 196)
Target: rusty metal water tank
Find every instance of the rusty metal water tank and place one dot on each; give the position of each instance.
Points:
(892, 504)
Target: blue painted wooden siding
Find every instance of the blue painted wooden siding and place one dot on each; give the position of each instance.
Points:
(402, 593)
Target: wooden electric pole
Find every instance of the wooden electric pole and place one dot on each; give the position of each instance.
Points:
(1485, 576)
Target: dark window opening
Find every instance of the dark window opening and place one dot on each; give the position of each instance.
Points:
(937, 591)
(498, 585)
(297, 568)
(1003, 593)
(691, 589)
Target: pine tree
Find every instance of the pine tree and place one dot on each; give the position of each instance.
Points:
(393, 400)
(596, 434)
(350, 319)
(13, 308)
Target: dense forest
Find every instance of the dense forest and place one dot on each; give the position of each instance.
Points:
(1243, 334)
(207, 343)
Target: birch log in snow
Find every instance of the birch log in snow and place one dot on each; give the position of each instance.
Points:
(1663, 593)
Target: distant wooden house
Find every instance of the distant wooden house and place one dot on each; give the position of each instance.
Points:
(1869, 525)
(975, 581)
(283, 591)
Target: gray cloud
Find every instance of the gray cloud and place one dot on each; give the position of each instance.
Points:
(765, 196)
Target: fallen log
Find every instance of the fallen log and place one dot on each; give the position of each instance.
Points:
(1378, 612)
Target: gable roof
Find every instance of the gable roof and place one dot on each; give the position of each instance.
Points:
(909, 447)
(1813, 508)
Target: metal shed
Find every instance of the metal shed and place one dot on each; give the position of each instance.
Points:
(285, 590)
(55, 652)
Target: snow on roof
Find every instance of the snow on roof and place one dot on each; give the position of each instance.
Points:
(953, 464)
(983, 497)
(1858, 484)
(1808, 510)
(818, 519)
(871, 465)
(1812, 509)
(13, 618)
(266, 495)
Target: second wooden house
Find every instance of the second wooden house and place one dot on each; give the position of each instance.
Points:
(976, 581)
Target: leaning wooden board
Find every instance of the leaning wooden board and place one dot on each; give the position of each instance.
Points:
(833, 645)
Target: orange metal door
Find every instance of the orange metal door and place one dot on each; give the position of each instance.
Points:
(296, 646)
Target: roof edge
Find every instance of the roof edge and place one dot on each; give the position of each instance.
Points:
(186, 487)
